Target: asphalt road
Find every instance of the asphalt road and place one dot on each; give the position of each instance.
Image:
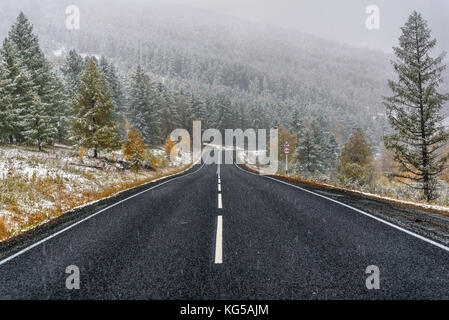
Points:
(272, 241)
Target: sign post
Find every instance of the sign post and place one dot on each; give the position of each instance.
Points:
(286, 152)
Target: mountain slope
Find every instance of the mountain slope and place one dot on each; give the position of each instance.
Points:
(284, 69)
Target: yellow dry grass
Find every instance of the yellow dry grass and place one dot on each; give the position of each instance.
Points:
(380, 197)
(33, 200)
(4, 233)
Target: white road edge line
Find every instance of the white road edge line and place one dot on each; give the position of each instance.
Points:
(219, 241)
(219, 187)
(96, 213)
(439, 245)
(220, 204)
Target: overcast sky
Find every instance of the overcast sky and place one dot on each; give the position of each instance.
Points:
(340, 20)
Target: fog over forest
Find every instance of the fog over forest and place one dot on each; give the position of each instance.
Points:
(342, 20)
(269, 64)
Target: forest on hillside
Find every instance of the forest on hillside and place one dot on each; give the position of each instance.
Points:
(155, 67)
(261, 74)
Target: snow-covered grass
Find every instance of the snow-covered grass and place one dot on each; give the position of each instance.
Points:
(38, 186)
(381, 188)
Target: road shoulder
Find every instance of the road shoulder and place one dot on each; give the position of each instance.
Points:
(68, 219)
(433, 225)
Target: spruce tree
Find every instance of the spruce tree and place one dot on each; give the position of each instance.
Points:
(307, 156)
(116, 90)
(355, 160)
(134, 148)
(225, 112)
(330, 151)
(320, 141)
(6, 101)
(93, 124)
(22, 37)
(5, 111)
(29, 52)
(37, 124)
(197, 106)
(325, 141)
(16, 89)
(59, 110)
(184, 111)
(167, 109)
(297, 123)
(114, 83)
(142, 107)
(257, 115)
(72, 69)
(414, 110)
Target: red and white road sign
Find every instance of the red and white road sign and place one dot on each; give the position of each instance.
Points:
(286, 150)
(286, 144)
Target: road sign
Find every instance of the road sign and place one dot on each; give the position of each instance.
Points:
(286, 150)
(286, 144)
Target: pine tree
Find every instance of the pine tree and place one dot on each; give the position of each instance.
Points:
(6, 103)
(40, 71)
(414, 109)
(225, 112)
(59, 110)
(307, 156)
(257, 114)
(72, 69)
(93, 124)
(355, 160)
(297, 123)
(330, 151)
(114, 84)
(134, 149)
(17, 90)
(197, 107)
(5, 110)
(29, 52)
(320, 140)
(212, 115)
(143, 101)
(184, 112)
(168, 112)
(37, 124)
(326, 142)
(243, 115)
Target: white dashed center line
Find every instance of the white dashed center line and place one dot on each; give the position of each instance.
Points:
(219, 241)
(219, 236)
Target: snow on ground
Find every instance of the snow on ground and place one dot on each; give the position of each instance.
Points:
(29, 164)
(249, 158)
(61, 51)
(400, 201)
(84, 55)
(37, 186)
(182, 159)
